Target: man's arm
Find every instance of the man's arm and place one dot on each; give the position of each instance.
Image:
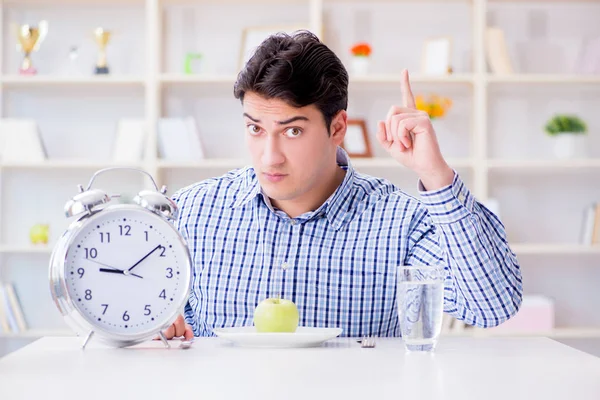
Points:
(483, 285)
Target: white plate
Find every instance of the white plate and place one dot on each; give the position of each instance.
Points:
(303, 337)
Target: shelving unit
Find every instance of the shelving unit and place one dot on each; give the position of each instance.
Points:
(493, 135)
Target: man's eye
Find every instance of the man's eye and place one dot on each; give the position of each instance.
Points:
(253, 129)
(293, 132)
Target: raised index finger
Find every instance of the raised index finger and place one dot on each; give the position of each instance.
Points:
(408, 99)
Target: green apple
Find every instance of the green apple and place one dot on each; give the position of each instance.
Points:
(39, 234)
(276, 315)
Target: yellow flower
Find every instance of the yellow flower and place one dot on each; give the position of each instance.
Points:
(435, 106)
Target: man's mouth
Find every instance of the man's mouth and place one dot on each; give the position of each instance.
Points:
(274, 176)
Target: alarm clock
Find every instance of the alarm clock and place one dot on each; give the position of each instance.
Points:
(120, 272)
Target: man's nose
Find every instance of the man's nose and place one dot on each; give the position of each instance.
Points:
(272, 154)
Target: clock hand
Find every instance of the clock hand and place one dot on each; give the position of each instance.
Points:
(119, 271)
(143, 258)
(112, 269)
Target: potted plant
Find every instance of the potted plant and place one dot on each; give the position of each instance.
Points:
(568, 134)
(360, 58)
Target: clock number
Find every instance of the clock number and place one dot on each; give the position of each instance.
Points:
(125, 230)
(163, 248)
(163, 294)
(102, 235)
(146, 232)
(105, 307)
(81, 271)
(169, 273)
(91, 253)
(125, 316)
(88, 294)
(147, 310)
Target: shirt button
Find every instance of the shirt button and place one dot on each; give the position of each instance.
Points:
(293, 222)
(449, 207)
(284, 265)
(461, 198)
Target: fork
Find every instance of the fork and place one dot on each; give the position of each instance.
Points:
(186, 344)
(367, 342)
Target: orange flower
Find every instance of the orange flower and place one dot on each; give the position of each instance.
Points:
(435, 106)
(361, 49)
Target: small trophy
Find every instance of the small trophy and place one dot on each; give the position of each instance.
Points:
(102, 37)
(30, 38)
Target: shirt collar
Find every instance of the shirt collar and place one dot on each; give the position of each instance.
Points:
(336, 208)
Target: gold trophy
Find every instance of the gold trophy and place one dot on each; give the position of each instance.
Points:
(102, 37)
(30, 38)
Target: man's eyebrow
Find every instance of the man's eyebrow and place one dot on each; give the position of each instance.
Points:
(287, 121)
(296, 118)
(253, 119)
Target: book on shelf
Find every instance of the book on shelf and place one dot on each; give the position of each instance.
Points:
(21, 141)
(12, 319)
(130, 140)
(497, 54)
(178, 139)
(590, 232)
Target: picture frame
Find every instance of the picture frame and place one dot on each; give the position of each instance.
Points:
(253, 36)
(357, 142)
(437, 55)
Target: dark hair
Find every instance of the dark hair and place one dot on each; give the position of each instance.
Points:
(298, 69)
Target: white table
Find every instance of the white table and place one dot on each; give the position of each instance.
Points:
(461, 368)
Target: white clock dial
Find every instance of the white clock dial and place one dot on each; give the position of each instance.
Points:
(127, 271)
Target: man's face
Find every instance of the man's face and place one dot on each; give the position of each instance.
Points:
(290, 146)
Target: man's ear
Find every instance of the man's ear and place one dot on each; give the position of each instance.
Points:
(339, 123)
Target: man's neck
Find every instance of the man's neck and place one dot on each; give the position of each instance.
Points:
(310, 202)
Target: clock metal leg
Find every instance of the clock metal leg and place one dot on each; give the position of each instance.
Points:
(164, 340)
(87, 339)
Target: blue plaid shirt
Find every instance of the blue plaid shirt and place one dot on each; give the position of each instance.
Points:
(338, 263)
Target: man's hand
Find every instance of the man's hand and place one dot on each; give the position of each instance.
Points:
(407, 134)
(179, 328)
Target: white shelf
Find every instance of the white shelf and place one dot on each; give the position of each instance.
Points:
(544, 79)
(28, 249)
(554, 248)
(37, 333)
(13, 81)
(526, 165)
(67, 164)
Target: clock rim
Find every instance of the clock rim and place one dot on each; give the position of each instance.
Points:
(71, 313)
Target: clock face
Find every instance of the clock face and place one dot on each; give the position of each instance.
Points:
(127, 271)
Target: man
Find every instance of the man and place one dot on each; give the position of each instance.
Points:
(302, 223)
